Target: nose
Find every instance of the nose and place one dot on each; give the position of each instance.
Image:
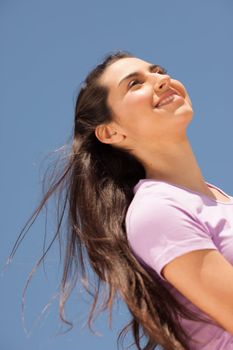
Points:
(162, 83)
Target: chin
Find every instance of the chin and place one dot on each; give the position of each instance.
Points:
(186, 113)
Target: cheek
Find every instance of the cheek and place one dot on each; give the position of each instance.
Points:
(181, 88)
(138, 98)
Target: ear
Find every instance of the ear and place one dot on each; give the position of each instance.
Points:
(106, 133)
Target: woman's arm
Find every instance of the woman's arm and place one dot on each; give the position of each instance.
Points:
(205, 277)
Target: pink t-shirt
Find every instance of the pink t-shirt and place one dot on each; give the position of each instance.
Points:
(165, 221)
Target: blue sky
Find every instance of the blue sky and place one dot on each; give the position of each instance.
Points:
(47, 48)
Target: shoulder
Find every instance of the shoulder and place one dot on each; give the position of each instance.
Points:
(160, 227)
(155, 202)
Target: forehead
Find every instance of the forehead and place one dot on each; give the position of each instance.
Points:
(119, 69)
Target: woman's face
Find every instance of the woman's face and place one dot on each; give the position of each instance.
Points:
(135, 88)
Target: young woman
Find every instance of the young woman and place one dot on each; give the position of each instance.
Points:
(139, 210)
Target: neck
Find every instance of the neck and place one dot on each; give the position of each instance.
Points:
(176, 164)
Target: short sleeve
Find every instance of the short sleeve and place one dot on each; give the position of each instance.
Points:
(159, 231)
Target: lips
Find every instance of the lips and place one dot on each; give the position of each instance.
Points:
(165, 95)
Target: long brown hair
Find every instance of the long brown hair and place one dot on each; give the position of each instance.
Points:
(95, 188)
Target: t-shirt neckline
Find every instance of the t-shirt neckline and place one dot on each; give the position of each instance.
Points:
(189, 190)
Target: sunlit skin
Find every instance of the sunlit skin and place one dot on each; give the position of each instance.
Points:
(156, 136)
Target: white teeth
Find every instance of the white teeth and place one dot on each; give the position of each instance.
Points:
(166, 100)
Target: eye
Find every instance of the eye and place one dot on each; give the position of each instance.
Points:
(135, 82)
(157, 69)
(160, 70)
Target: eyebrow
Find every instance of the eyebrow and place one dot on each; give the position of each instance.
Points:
(135, 74)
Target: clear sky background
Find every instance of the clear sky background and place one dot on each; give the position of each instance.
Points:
(47, 48)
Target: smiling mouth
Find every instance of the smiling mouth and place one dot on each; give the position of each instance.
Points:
(168, 100)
